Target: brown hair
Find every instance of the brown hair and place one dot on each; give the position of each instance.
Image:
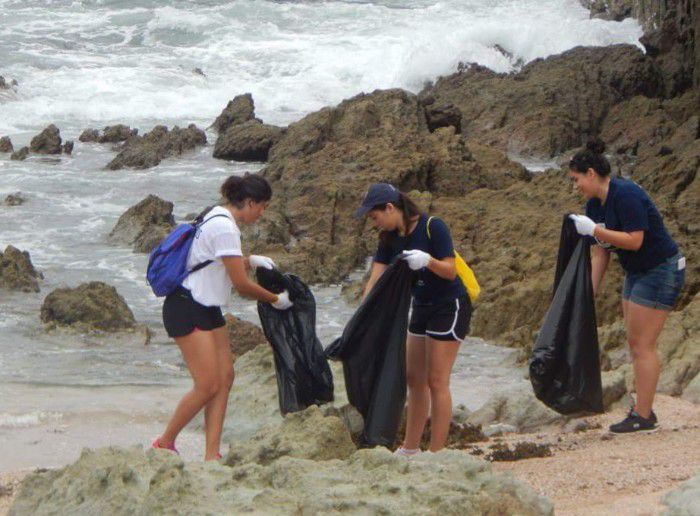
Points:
(409, 211)
(591, 157)
(236, 189)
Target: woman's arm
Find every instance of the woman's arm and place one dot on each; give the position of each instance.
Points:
(631, 241)
(444, 268)
(599, 263)
(377, 270)
(236, 269)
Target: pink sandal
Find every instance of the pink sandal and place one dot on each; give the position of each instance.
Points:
(159, 446)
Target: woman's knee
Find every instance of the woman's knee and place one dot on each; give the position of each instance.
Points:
(227, 378)
(438, 382)
(640, 350)
(416, 379)
(207, 389)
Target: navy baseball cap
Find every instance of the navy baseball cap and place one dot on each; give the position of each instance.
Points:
(378, 193)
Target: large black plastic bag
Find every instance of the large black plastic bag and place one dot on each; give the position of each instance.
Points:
(564, 365)
(304, 377)
(373, 351)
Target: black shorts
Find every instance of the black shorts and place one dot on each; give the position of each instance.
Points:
(444, 321)
(182, 314)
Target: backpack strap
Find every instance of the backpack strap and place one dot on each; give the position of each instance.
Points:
(427, 225)
(205, 262)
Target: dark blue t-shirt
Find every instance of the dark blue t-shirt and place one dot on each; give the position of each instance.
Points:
(628, 208)
(429, 287)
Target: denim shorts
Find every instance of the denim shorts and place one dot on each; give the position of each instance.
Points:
(658, 287)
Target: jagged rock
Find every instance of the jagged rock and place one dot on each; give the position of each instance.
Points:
(243, 336)
(459, 436)
(148, 150)
(89, 135)
(330, 157)
(116, 133)
(20, 155)
(47, 141)
(331, 440)
(684, 501)
(6, 144)
(692, 390)
(5, 85)
(679, 349)
(15, 199)
(239, 110)
(373, 481)
(518, 408)
(616, 10)
(536, 112)
(614, 386)
(442, 115)
(94, 306)
(248, 141)
(17, 271)
(520, 451)
(145, 224)
(68, 147)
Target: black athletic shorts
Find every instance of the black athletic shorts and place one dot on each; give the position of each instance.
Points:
(182, 314)
(444, 321)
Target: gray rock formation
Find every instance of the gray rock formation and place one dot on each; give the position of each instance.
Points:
(47, 141)
(537, 112)
(248, 141)
(20, 155)
(15, 199)
(90, 306)
(285, 469)
(147, 151)
(238, 111)
(17, 271)
(243, 336)
(684, 501)
(6, 144)
(145, 224)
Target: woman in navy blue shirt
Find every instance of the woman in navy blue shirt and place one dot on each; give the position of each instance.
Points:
(441, 310)
(621, 217)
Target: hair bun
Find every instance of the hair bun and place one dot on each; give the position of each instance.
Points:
(596, 145)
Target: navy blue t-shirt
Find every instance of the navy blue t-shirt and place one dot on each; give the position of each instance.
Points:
(628, 208)
(429, 287)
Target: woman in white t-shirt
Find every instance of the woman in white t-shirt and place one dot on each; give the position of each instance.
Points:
(192, 313)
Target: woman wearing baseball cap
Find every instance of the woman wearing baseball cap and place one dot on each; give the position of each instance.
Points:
(441, 309)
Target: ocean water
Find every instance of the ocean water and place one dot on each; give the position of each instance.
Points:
(93, 63)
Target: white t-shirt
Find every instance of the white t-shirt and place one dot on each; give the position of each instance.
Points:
(219, 237)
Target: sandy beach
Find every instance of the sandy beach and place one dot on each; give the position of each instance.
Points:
(590, 472)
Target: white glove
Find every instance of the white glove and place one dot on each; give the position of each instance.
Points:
(256, 261)
(584, 225)
(283, 302)
(416, 259)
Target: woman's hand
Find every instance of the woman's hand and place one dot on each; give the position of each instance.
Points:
(584, 225)
(283, 302)
(416, 259)
(256, 261)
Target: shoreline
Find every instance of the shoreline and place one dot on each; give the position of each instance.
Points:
(589, 472)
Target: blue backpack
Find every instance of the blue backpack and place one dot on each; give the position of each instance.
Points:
(167, 263)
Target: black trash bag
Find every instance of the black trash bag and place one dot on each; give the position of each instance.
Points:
(373, 351)
(564, 365)
(304, 377)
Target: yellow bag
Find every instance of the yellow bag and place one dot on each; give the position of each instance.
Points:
(465, 273)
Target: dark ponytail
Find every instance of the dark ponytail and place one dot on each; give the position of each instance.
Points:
(591, 157)
(237, 189)
(409, 210)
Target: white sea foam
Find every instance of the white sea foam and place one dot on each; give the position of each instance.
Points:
(28, 419)
(98, 63)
